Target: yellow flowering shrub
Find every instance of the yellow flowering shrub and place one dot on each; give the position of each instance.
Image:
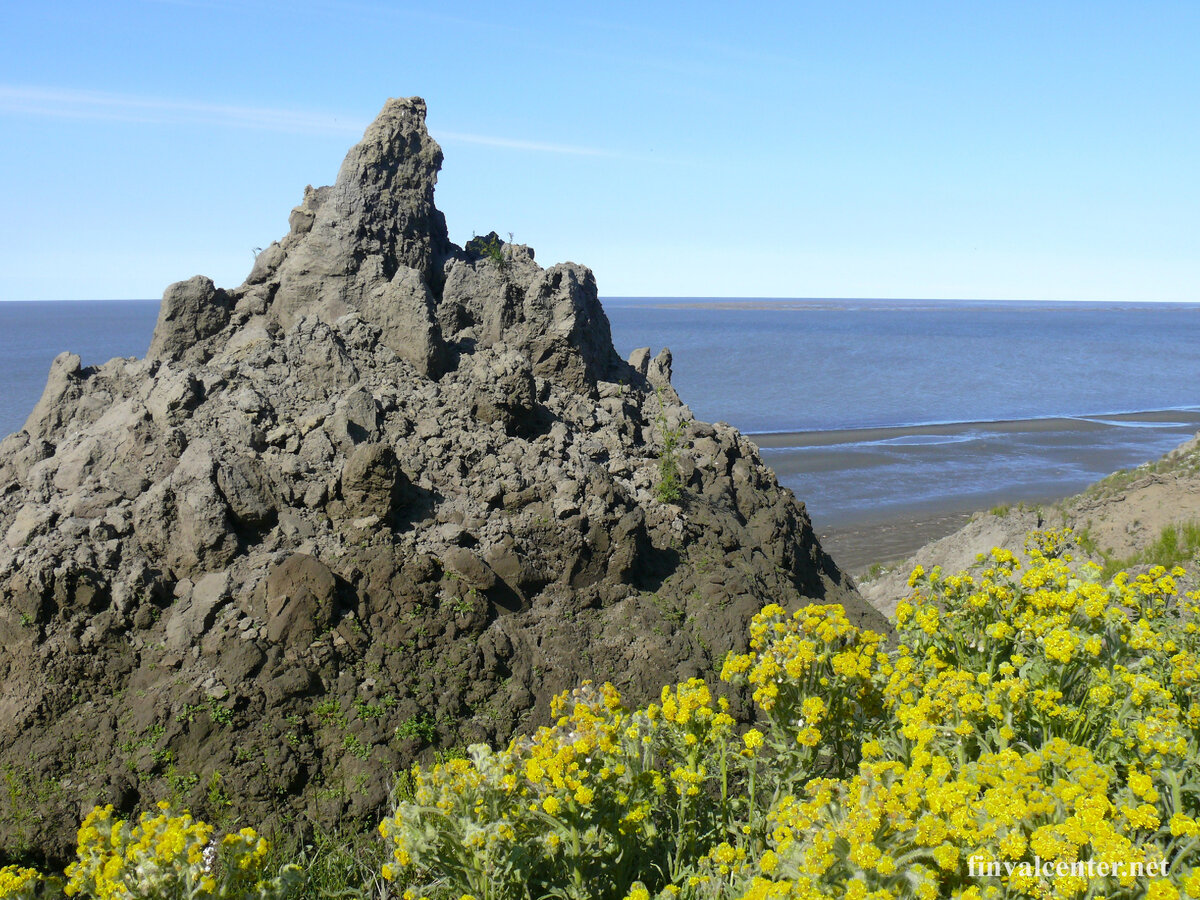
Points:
(1021, 712)
(815, 682)
(603, 796)
(19, 883)
(159, 857)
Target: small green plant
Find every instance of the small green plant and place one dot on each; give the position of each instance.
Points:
(181, 785)
(418, 726)
(355, 747)
(465, 605)
(220, 715)
(1000, 511)
(490, 248)
(668, 610)
(218, 799)
(329, 711)
(449, 754)
(343, 864)
(1087, 541)
(367, 710)
(670, 481)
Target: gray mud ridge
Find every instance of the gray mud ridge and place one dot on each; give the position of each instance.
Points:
(389, 495)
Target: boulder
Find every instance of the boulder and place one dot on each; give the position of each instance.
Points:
(372, 482)
(191, 311)
(300, 596)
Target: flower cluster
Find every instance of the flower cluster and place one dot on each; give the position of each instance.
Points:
(600, 797)
(19, 883)
(1023, 710)
(161, 856)
(815, 680)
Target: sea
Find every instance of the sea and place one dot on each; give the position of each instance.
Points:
(869, 410)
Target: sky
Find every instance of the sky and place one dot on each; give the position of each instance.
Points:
(1006, 150)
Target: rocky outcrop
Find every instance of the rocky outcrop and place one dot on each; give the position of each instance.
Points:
(387, 495)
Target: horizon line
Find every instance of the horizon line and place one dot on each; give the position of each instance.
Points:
(708, 299)
(731, 298)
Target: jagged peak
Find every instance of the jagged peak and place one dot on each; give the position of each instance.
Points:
(375, 243)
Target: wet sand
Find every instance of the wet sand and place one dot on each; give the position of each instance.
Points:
(876, 495)
(1190, 418)
(856, 548)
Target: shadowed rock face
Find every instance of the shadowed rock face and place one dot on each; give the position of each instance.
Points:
(388, 494)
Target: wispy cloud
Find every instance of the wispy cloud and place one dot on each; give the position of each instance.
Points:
(76, 104)
(196, 4)
(337, 8)
(59, 103)
(514, 144)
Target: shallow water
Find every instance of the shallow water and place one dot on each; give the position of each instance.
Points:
(871, 410)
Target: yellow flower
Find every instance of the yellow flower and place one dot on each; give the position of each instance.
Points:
(1060, 646)
(808, 737)
(813, 709)
(1162, 890)
(927, 619)
(1142, 786)
(1183, 825)
(946, 856)
(768, 862)
(16, 881)
(753, 739)
(1013, 845)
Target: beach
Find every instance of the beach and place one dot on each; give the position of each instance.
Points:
(855, 548)
(1035, 461)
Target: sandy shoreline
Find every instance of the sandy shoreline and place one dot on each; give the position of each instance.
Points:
(948, 472)
(886, 539)
(1065, 424)
(856, 548)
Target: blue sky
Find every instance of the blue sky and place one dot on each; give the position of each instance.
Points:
(838, 149)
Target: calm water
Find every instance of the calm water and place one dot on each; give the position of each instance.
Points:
(803, 365)
(32, 334)
(813, 365)
(784, 366)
